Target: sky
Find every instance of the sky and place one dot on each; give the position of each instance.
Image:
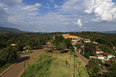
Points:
(58, 15)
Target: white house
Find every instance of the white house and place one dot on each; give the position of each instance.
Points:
(99, 51)
(101, 57)
(86, 40)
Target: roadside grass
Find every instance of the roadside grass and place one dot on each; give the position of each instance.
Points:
(4, 67)
(39, 67)
(59, 68)
(54, 67)
(27, 53)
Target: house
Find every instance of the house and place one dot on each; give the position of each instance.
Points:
(108, 55)
(98, 52)
(74, 42)
(79, 50)
(86, 40)
(95, 42)
(101, 57)
(108, 63)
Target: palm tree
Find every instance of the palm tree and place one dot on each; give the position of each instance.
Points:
(28, 63)
(80, 73)
(66, 62)
(74, 63)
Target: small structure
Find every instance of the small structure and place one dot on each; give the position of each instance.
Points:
(101, 57)
(13, 45)
(92, 57)
(79, 50)
(86, 40)
(108, 55)
(74, 42)
(98, 52)
(95, 42)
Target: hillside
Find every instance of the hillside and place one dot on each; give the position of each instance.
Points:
(11, 30)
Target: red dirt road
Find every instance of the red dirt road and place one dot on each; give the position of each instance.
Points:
(84, 60)
(16, 69)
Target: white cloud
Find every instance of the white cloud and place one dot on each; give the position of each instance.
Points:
(72, 6)
(30, 8)
(48, 4)
(56, 6)
(11, 2)
(105, 10)
(79, 22)
(51, 0)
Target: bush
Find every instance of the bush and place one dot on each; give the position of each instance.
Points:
(93, 65)
(86, 54)
(61, 46)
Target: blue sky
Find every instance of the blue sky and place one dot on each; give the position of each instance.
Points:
(58, 15)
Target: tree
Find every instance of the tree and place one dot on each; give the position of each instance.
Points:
(87, 54)
(91, 48)
(93, 65)
(8, 55)
(66, 62)
(71, 48)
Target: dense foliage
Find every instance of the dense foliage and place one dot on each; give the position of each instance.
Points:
(8, 55)
(61, 43)
(93, 68)
(23, 41)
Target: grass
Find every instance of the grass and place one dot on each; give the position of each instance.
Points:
(27, 53)
(4, 67)
(54, 67)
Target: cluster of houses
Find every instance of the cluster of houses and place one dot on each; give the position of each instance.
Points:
(103, 56)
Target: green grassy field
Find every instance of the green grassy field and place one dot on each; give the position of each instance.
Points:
(48, 66)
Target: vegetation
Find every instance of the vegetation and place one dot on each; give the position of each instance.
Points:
(22, 41)
(61, 43)
(27, 53)
(89, 50)
(93, 68)
(5, 67)
(8, 55)
(54, 67)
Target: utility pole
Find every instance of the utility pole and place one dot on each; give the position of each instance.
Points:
(83, 48)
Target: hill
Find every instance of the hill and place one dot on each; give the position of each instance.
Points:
(10, 30)
(112, 32)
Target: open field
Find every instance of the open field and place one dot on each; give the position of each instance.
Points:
(47, 65)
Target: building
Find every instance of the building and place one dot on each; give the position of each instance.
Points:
(98, 52)
(108, 55)
(95, 42)
(86, 40)
(13, 45)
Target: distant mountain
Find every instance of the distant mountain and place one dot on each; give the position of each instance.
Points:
(111, 32)
(11, 30)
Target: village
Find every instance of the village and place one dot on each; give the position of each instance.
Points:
(105, 58)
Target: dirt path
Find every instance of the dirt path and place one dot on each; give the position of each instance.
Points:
(84, 60)
(16, 69)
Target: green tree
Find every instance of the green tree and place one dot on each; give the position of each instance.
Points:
(66, 62)
(91, 48)
(94, 65)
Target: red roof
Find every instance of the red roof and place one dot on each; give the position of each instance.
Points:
(108, 63)
(104, 53)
